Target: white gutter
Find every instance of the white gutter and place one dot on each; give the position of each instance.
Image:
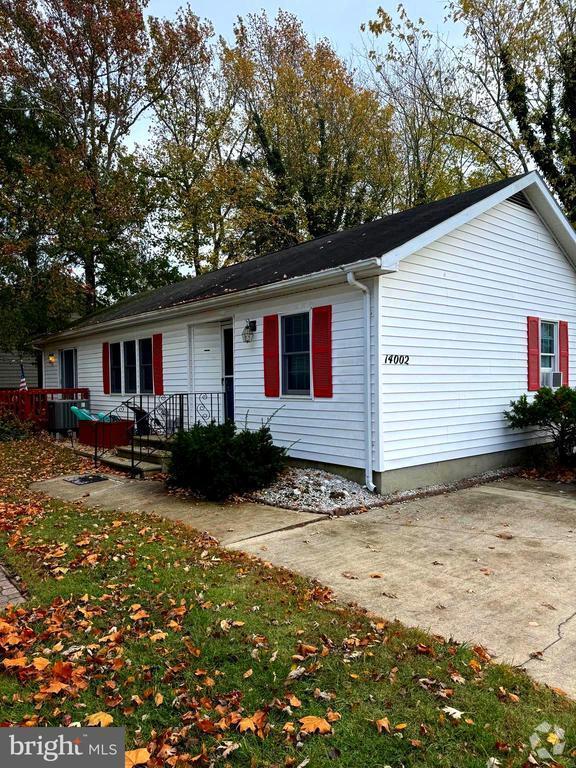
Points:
(226, 299)
(367, 375)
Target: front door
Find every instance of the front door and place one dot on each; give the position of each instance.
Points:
(228, 371)
(68, 368)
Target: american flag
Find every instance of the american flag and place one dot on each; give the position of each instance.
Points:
(23, 384)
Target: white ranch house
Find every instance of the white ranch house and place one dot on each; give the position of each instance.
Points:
(387, 352)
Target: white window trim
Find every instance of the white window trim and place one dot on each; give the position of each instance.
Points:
(556, 357)
(284, 395)
(122, 377)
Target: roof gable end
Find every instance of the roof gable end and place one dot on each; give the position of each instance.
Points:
(529, 188)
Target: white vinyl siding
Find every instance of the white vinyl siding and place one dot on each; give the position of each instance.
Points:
(318, 429)
(10, 370)
(458, 308)
(330, 430)
(175, 355)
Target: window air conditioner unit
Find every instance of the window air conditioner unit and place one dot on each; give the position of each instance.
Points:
(551, 379)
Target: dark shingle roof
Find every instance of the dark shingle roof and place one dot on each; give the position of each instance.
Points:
(363, 242)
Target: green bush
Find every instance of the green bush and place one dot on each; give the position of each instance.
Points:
(553, 411)
(12, 428)
(217, 460)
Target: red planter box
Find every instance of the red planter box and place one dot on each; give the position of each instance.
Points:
(109, 433)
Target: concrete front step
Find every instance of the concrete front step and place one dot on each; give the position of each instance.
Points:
(150, 453)
(122, 463)
(153, 441)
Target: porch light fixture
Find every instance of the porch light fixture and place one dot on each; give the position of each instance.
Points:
(52, 358)
(249, 331)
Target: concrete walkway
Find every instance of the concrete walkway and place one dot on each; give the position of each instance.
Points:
(229, 523)
(9, 594)
(494, 565)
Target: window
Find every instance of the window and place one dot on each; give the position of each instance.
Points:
(68, 368)
(130, 382)
(131, 369)
(548, 346)
(115, 368)
(296, 354)
(145, 356)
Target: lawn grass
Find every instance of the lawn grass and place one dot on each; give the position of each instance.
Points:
(203, 653)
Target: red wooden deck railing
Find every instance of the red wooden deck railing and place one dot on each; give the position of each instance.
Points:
(32, 404)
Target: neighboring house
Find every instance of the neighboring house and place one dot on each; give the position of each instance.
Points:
(10, 370)
(387, 352)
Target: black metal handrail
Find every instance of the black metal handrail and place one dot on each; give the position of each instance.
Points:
(157, 416)
(170, 415)
(115, 414)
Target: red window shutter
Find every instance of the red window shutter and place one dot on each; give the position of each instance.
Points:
(157, 364)
(564, 351)
(106, 367)
(322, 351)
(533, 354)
(271, 357)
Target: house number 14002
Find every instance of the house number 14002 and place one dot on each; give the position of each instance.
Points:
(397, 359)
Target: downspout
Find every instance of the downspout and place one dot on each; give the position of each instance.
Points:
(367, 375)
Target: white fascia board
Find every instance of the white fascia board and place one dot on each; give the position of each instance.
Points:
(547, 207)
(364, 267)
(537, 193)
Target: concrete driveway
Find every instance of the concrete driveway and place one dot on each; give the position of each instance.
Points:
(494, 565)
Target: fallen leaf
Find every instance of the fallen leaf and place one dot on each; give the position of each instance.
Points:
(247, 724)
(313, 724)
(19, 661)
(475, 665)
(40, 663)
(383, 725)
(136, 757)
(141, 614)
(103, 719)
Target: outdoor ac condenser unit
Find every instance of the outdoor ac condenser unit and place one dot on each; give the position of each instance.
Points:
(60, 417)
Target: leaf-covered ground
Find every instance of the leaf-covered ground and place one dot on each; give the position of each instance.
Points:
(211, 656)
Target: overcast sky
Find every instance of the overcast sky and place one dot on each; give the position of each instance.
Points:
(339, 20)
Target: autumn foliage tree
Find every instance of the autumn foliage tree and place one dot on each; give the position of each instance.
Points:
(84, 66)
(38, 291)
(506, 94)
(197, 147)
(320, 137)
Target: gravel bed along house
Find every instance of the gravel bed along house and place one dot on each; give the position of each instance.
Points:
(314, 490)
